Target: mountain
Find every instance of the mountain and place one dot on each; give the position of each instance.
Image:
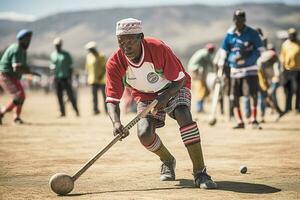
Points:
(184, 28)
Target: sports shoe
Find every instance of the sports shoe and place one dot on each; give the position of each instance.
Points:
(96, 112)
(239, 126)
(203, 180)
(167, 171)
(279, 115)
(255, 125)
(18, 120)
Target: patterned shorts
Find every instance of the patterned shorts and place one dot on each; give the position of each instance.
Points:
(11, 85)
(183, 97)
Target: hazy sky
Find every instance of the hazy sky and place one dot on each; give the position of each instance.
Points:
(32, 9)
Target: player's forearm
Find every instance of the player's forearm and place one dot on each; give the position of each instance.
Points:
(223, 56)
(114, 112)
(174, 87)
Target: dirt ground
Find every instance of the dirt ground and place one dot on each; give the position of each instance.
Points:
(31, 153)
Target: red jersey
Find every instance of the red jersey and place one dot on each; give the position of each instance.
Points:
(158, 67)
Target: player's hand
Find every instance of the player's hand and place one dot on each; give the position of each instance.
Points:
(120, 130)
(163, 100)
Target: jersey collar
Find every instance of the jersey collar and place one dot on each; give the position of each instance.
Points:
(141, 59)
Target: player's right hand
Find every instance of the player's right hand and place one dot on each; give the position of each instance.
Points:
(119, 129)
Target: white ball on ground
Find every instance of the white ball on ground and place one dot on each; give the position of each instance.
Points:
(61, 183)
(243, 169)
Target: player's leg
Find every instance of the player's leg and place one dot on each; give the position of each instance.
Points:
(262, 102)
(151, 141)
(247, 107)
(199, 90)
(19, 101)
(287, 85)
(274, 87)
(71, 95)
(59, 94)
(12, 86)
(179, 109)
(94, 88)
(102, 88)
(236, 87)
(298, 91)
(8, 86)
(251, 82)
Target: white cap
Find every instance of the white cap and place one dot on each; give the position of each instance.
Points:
(57, 41)
(129, 26)
(90, 45)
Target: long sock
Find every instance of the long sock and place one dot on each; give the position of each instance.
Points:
(157, 147)
(238, 115)
(191, 139)
(253, 114)
(18, 111)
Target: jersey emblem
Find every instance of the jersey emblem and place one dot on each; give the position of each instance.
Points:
(152, 77)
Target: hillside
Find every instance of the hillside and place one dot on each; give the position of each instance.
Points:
(185, 28)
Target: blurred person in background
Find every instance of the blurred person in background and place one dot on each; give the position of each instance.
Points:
(61, 63)
(95, 68)
(199, 65)
(225, 84)
(269, 72)
(290, 59)
(261, 96)
(241, 47)
(13, 64)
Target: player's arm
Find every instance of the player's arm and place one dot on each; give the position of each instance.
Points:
(28, 71)
(261, 62)
(258, 43)
(167, 94)
(225, 48)
(114, 90)
(24, 69)
(173, 71)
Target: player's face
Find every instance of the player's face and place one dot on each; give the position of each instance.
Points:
(58, 47)
(25, 42)
(239, 23)
(131, 45)
(293, 36)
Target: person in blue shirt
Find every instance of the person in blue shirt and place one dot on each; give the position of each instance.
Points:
(242, 46)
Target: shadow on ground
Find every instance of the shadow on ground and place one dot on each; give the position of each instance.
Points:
(233, 186)
(243, 187)
(133, 190)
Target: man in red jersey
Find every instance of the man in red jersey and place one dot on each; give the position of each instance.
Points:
(152, 70)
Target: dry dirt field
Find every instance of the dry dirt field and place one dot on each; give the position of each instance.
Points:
(31, 153)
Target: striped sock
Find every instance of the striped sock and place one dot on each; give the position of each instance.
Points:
(190, 134)
(191, 139)
(157, 147)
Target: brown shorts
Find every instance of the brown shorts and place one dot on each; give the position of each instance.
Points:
(183, 97)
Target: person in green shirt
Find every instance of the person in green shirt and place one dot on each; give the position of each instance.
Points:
(61, 64)
(13, 64)
(95, 68)
(199, 65)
